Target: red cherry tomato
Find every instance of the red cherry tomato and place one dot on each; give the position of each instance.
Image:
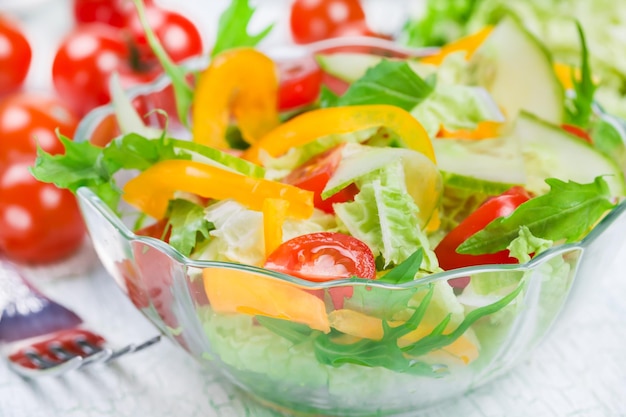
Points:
(110, 12)
(15, 56)
(313, 20)
(84, 62)
(577, 131)
(28, 120)
(314, 174)
(323, 256)
(39, 222)
(300, 83)
(495, 207)
(178, 35)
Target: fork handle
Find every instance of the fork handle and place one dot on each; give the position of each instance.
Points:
(26, 312)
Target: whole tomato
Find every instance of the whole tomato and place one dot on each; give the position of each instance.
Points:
(39, 222)
(88, 56)
(15, 56)
(110, 12)
(28, 120)
(314, 20)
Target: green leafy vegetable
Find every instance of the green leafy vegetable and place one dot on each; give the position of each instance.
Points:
(294, 332)
(580, 108)
(406, 271)
(388, 354)
(189, 227)
(232, 30)
(567, 212)
(389, 82)
(84, 164)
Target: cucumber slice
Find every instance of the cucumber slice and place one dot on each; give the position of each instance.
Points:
(350, 66)
(517, 70)
(492, 163)
(551, 152)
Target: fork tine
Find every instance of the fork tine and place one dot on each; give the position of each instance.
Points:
(55, 370)
(134, 348)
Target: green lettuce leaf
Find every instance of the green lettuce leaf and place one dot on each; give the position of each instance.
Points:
(188, 225)
(384, 216)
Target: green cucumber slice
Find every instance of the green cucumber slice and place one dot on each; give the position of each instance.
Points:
(517, 70)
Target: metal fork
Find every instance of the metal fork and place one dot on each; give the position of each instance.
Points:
(43, 338)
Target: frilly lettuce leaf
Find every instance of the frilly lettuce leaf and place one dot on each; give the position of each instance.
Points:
(384, 216)
(238, 234)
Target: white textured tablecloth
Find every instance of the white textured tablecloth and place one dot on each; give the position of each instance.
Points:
(580, 370)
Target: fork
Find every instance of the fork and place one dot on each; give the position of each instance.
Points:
(43, 338)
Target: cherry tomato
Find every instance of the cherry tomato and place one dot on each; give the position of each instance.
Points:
(15, 56)
(314, 20)
(39, 222)
(178, 35)
(495, 207)
(314, 174)
(300, 83)
(323, 256)
(28, 119)
(110, 12)
(577, 131)
(84, 62)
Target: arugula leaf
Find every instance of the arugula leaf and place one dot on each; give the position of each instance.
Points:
(183, 90)
(580, 108)
(406, 270)
(328, 98)
(388, 82)
(294, 332)
(188, 225)
(437, 340)
(232, 29)
(566, 212)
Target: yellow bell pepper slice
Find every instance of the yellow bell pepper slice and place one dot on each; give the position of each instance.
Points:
(312, 125)
(240, 82)
(274, 215)
(468, 43)
(152, 189)
(361, 325)
(235, 291)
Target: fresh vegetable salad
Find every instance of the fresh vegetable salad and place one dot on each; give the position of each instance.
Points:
(356, 196)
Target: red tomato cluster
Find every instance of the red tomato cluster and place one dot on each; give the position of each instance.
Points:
(108, 38)
(38, 222)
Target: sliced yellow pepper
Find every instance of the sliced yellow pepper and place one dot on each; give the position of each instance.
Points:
(468, 43)
(274, 215)
(361, 325)
(236, 291)
(151, 190)
(314, 124)
(240, 82)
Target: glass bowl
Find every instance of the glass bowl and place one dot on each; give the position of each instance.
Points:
(390, 350)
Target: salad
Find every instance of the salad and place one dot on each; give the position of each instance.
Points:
(354, 198)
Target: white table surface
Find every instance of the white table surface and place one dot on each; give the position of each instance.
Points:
(580, 370)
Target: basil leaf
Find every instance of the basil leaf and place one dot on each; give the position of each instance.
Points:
(189, 227)
(388, 82)
(567, 212)
(232, 29)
